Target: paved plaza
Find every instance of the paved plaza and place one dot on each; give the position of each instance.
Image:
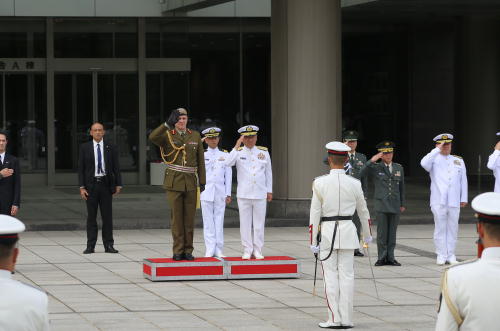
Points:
(108, 292)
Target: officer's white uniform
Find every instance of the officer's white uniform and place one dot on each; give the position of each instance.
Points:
(255, 180)
(494, 164)
(338, 194)
(448, 189)
(469, 291)
(213, 199)
(22, 307)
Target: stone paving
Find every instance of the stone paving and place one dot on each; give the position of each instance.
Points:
(108, 292)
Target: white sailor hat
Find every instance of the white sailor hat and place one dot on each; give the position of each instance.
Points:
(211, 132)
(487, 206)
(443, 138)
(10, 227)
(248, 130)
(337, 148)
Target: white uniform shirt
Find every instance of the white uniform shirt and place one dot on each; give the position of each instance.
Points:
(473, 288)
(21, 307)
(494, 164)
(448, 178)
(219, 176)
(103, 167)
(255, 175)
(337, 194)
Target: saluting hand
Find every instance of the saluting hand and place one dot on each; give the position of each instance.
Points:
(440, 146)
(238, 143)
(376, 157)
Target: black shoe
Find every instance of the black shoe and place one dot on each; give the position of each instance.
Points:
(89, 250)
(188, 256)
(110, 249)
(380, 263)
(357, 252)
(178, 257)
(393, 263)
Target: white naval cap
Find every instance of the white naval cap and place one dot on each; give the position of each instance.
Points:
(248, 130)
(487, 206)
(211, 132)
(10, 227)
(337, 148)
(443, 138)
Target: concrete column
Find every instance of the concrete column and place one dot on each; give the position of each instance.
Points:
(479, 83)
(306, 91)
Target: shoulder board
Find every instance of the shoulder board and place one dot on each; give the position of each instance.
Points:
(458, 156)
(172, 131)
(397, 164)
(225, 151)
(262, 148)
(463, 263)
(206, 149)
(240, 148)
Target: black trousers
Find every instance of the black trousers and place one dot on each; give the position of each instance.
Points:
(100, 197)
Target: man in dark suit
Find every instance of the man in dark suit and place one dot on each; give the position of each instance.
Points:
(99, 179)
(10, 180)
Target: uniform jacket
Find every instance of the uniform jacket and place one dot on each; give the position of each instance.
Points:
(255, 176)
(494, 164)
(337, 194)
(448, 178)
(175, 180)
(10, 187)
(22, 307)
(86, 166)
(219, 176)
(356, 164)
(389, 186)
(473, 289)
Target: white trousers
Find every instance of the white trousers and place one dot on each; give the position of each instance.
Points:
(252, 217)
(213, 225)
(338, 276)
(445, 231)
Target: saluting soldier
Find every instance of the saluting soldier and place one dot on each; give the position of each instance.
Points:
(22, 307)
(448, 195)
(333, 235)
(494, 164)
(389, 198)
(355, 164)
(217, 193)
(469, 291)
(255, 187)
(182, 152)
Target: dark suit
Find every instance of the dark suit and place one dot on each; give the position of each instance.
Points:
(10, 187)
(100, 190)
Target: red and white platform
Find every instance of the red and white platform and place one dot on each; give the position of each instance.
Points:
(208, 268)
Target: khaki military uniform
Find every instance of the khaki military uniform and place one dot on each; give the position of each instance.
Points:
(389, 198)
(184, 156)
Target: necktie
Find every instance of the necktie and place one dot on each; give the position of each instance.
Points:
(389, 168)
(99, 159)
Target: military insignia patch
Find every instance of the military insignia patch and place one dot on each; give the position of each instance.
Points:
(398, 173)
(261, 156)
(457, 162)
(360, 163)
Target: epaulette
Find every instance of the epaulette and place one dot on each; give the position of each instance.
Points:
(206, 150)
(240, 148)
(33, 287)
(262, 148)
(397, 164)
(458, 156)
(225, 151)
(172, 131)
(462, 263)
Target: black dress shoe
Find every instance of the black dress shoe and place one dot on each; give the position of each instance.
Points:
(380, 263)
(188, 256)
(393, 263)
(178, 257)
(110, 249)
(357, 252)
(89, 250)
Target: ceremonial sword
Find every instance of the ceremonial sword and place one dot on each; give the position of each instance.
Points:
(367, 251)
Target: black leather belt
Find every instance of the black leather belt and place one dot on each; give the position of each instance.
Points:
(100, 179)
(336, 218)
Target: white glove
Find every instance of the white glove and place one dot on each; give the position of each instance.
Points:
(314, 249)
(368, 239)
